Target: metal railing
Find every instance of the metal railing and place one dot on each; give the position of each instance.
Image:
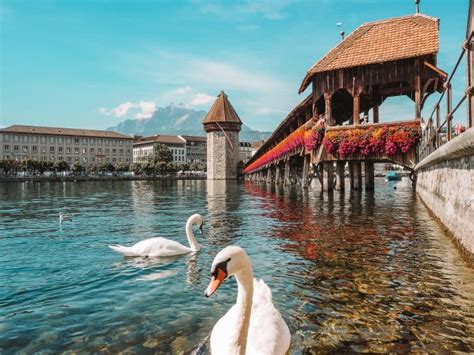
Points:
(435, 136)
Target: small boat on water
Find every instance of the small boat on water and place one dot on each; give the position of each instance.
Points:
(393, 176)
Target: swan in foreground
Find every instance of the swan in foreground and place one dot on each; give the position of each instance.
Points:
(156, 247)
(253, 325)
(64, 217)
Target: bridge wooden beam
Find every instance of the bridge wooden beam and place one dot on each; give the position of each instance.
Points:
(340, 175)
(369, 175)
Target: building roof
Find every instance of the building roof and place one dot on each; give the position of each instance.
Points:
(194, 138)
(222, 111)
(78, 132)
(380, 41)
(159, 138)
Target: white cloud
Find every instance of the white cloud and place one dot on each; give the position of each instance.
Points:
(201, 99)
(146, 109)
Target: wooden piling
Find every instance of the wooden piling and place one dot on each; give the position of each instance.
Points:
(340, 177)
(369, 175)
(328, 176)
(357, 175)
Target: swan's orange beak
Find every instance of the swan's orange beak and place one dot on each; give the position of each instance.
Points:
(215, 282)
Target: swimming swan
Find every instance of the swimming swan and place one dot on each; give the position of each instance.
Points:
(156, 247)
(64, 217)
(253, 325)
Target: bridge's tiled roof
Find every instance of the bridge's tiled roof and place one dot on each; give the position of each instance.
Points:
(379, 42)
(59, 131)
(303, 104)
(222, 111)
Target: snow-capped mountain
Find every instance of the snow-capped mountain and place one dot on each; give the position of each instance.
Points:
(177, 119)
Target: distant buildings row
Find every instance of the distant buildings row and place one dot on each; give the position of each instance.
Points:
(89, 147)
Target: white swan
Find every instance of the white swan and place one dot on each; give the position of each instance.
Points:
(64, 217)
(253, 325)
(156, 247)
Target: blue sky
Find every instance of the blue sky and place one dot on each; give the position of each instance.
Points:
(94, 63)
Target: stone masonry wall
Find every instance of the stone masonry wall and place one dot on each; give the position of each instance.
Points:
(222, 157)
(445, 183)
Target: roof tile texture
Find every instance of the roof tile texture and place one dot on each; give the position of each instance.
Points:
(222, 111)
(379, 42)
(79, 132)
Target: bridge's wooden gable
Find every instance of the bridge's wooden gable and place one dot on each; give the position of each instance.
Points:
(378, 60)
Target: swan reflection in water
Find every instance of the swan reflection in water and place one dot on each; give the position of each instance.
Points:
(193, 273)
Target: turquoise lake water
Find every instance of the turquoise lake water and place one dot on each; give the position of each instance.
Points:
(350, 272)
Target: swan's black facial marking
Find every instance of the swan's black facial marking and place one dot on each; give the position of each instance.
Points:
(221, 266)
(200, 227)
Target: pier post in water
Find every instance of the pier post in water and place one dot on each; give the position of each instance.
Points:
(277, 174)
(306, 168)
(269, 175)
(369, 175)
(328, 176)
(340, 177)
(286, 177)
(357, 175)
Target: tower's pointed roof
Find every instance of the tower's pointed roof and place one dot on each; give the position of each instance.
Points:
(222, 111)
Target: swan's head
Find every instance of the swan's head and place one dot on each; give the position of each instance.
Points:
(198, 220)
(230, 261)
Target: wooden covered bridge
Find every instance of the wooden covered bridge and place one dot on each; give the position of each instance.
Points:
(339, 121)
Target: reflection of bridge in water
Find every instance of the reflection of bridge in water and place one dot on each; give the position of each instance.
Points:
(339, 123)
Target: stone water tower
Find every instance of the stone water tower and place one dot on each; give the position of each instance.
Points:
(222, 125)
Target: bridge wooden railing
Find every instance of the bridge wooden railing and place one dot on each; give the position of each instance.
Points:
(433, 136)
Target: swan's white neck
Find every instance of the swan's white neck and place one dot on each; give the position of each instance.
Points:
(244, 305)
(193, 244)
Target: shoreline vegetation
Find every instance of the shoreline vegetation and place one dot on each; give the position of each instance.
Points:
(72, 178)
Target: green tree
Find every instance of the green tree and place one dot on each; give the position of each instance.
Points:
(122, 167)
(77, 168)
(60, 165)
(161, 153)
(137, 168)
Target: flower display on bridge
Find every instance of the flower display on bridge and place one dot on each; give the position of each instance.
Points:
(388, 139)
(307, 136)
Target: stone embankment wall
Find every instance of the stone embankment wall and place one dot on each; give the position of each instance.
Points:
(445, 183)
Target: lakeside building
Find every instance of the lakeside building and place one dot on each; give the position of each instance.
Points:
(143, 147)
(196, 149)
(245, 151)
(84, 146)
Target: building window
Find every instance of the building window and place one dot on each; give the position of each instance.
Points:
(106, 150)
(43, 149)
(76, 141)
(92, 159)
(114, 151)
(99, 150)
(76, 158)
(76, 150)
(84, 150)
(7, 137)
(51, 158)
(121, 151)
(60, 140)
(68, 140)
(68, 159)
(16, 148)
(6, 147)
(84, 140)
(16, 138)
(114, 142)
(60, 149)
(51, 149)
(51, 140)
(84, 159)
(25, 149)
(25, 139)
(68, 150)
(92, 141)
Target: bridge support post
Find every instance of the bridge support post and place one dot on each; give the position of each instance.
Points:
(369, 175)
(286, 177)
(340, 177)
(306, 168)
(269, 175)
(277, 174)
(357, 175)
(328, 176)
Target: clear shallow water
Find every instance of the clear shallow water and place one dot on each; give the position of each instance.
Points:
(353, 272)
